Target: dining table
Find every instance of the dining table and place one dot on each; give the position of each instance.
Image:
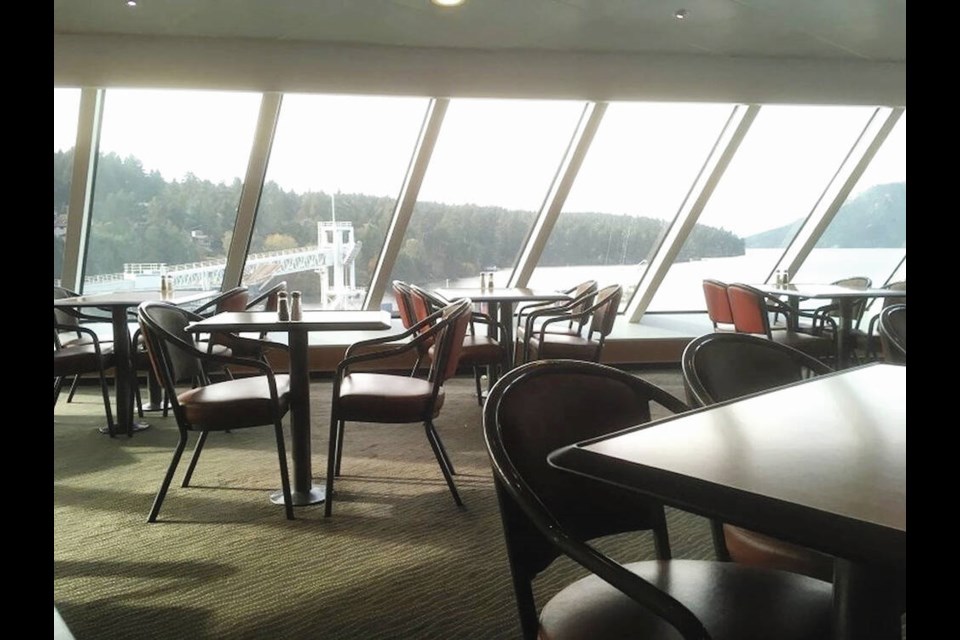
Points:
(501, 302)
(119, 304)
(820, 463)
(304, 491)
(845, 298)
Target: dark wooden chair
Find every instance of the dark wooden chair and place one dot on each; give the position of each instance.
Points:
(593, 324)
(825, 318)
(529, 316)
(547, 513)
(893, 333)
(362, 394)
(869, 340)
(77, 350)
(202, 406)
(718, 305)
(481, 349)
(723, 366)
(751, 309)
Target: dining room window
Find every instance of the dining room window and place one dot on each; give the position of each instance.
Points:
(640, 165)
(488, 176)
(868, 235)
(66, 109)
(336, 169)
(168, 180)
(781, 168)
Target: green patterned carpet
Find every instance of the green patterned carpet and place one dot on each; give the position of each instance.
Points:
(397, 560)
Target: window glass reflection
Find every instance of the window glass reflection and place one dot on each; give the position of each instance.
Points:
(168, 183)
(335, 172)
(773, 182)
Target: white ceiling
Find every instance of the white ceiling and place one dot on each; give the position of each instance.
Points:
(873, 30)
(762, 51)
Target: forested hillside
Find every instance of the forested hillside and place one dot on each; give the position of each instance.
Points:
(875, 218)
(140, 217)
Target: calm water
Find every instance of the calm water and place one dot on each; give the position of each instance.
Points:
(681, 289)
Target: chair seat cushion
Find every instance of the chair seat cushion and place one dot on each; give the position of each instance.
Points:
(477, 350)
(816, 346)
(81, 358)
(381, 397)
(734, 602)
(759, 550)
(234, 404)
(556, 345)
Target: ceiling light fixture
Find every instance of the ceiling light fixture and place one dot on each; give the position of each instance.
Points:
(131, 3)
(447, 3)
(681, 14)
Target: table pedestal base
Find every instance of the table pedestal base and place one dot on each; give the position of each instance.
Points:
(134, 428)
(316, 495)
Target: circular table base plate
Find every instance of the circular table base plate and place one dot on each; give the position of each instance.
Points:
(316, 495)
(136, 426)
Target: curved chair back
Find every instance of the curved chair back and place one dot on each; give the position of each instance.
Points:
(403, 297)
(535, 409)
(267, 299)
(723, 366)
(893, 333)
(605, 311)
(172, 350)
(583, 295)
(748, 309)
(718, 304)
(234, 299)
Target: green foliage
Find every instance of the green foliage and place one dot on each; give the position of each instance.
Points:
(139, 217)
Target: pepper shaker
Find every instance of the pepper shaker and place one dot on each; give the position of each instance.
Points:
(296, 306)
(283, 307)
(483, 279)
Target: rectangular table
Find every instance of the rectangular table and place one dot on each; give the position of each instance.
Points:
(845, 297)
(501, 301)
(119, 304)
(304, 491)
(821, 463)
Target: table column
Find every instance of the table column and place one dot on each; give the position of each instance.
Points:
(304, 492)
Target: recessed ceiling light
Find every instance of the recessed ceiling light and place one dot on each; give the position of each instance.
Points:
(447, 3)
(131, 3)
(680, 14)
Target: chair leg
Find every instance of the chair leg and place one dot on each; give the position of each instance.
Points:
(57, 387)
(333, 456)
(284, 476)
(476, 377)
(106, 404)
(434, 438)
(137, 396)
(339, 445)
(181, 443)
(73, 387)
(193, 459)
(719, 541)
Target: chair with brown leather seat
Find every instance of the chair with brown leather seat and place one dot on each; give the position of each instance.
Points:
(481, 349)
(582, 297)
(751, 309)
(548, 513)
(723, 366)
(403, 296)
(79, 354)
(893, 333)
(68, 318)
(202, 406)
(584, 344)
(362, 393)
(718, 305)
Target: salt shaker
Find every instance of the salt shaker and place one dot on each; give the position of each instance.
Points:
(483, 279)
(490, 280)
(283, 307)
(296, 306)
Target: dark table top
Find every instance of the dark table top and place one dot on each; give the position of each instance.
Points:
(821, 463)
(249, 321)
